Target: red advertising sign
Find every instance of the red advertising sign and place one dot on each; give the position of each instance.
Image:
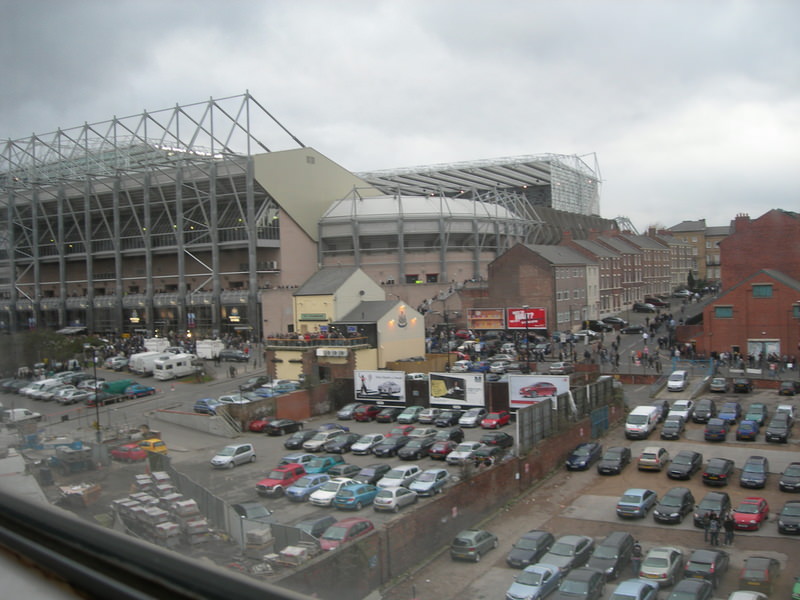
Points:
(526, 318)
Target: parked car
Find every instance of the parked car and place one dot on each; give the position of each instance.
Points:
(789, 388)
(751, 513)
(561, 368)
(343, 470)
(718, 503)
(612, 555)
(325, 494)
(233, 455)
(206, 406)
(346, 412)
(366, 412)
(401, 475)
(754, 472)
(441, 448)
(254, 382)
(430, 482)
(497, 438)
(663, 565)
(231, 354)
(618, 321)
(643, 307)
(709, 565)
(472, 417)
(417, 448)
(448, 418)
(280, 478)
(388, 414)
(682, 408)
(131, 452)
(636, 503)
(759, 573)
(400, 430)
(303, 487)
(653, 458)
(674, 506)
(488, 455)
(582, 583)
(282, 427)
(139, 390)
(341, 443)
(316, 526)
(463, 453)
(789, 518)
(716, 430)
(345, 531)
(705, 409)
(535, 582)
(454, 433)
(779, 429)
(366, 443)
(372, 474)
(393, 499)
(635, 589)
(355, 496)
(297, 439)
(730, 412)
(718, 471)
(259, 425)
(389, 446)
(154, 445)
(790, 478)
(757, 412)
(719, 385)
(747, 430)
(317, 442)
(685, 464)
(614, 460)
(322, 464)
(496, 419)
(428, 415)
(742, 385)
(673, 427)
(569, 552)
(584, 456)
(529, 548)
(692, 589)
(472, 544)
(301, 458)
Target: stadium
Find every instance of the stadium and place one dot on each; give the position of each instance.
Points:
(183, 221)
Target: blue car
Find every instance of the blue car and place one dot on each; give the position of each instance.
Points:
(481, 366)
(730, 412)
(747, 430)
(583, 456)
(535, 582)
(137, 390)
(430, 482)
(207, 406)
(636, 588)
(355, 496)
(301, 489)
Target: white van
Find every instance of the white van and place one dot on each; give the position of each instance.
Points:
(641, 422)
(144, 363)
(14, 416)
(677, 382)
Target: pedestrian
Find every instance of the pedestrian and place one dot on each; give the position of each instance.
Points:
(636, 558)
(231, 371)
(713, 530)
(728, 525)
(706, 523)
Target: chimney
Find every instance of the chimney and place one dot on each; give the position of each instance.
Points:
(593, 234)
(566, 236)
(741, 222)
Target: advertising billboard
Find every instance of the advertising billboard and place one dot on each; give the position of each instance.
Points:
(380, 386)
(524, 390)
(526, 318)
(486, 318)
(456, 390)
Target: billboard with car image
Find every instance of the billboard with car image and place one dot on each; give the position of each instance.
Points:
(524, 390)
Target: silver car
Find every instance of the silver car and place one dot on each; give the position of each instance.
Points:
(393, 499)
(233, 455)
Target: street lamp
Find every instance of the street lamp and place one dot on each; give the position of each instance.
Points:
(98, 433)
(525, 308)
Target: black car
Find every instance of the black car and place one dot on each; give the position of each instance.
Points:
(632, 329)
(615, 321)
(282, 427)
(341, 443)
(583, 583)
(254, 383)
(448, 418)
(388, 414)
(754, 472)
(614, 459)
(672, 428)
(390, 445)
(497, 438)
(685, 464)
(372, 474)
(759, 574)
(488, 455)
(742, 385)
(790, 478)
(707, 564)
(296, 440)
(643, 307)
(232, 355)
(692, 589)
(529, 548)
(779, 429)
(718, 471)
(417, 448)
(612, 555)
(789, 518)
(789, 388)
(718, 503)
(453, 434)
(583, 456)
(704, 410)
(674, 505)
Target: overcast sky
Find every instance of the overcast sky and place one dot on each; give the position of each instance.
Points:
(691, 108)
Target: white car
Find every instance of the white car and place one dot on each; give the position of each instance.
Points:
(463, 452)
(423, 432)
(401, 475)
(472, 418)
(325, 494)
(461, 366)
(366, 443)
(318, 441)
(786, 408)
(682, 408)
(428, 415)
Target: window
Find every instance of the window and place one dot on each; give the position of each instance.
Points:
(411, 278)
(432, 277)
(796, 311)
(723, 312)
(762, 290)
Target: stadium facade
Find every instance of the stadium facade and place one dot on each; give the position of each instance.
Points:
(182, 221)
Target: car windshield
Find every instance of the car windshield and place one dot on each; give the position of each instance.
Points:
(750, 509)
(303, 482)
(227, 451)
(366, 439)
(317, 463)
(612, 454)
(656, 561)
(758, 468)
(562, 549)
(385, 494)
(605, 552)
(394, 474)
(631, 499)
(415, 443)
(582, 451)
(464, 447)
(530, 578)
(753, 575)
(700, 567)
(427, 477)
(320, 436)
(670, 501)
(573, 588)
(335, 533)
(791, 510)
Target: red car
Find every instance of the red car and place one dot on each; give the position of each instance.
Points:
(366, 412)
(259, 425)
(441, 449)
(279, 479)
(400, 430)
(129, 453)
(495, 420)
(541, 389)
(751, 513)
(344, 531)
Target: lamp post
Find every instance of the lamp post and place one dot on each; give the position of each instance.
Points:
(525, 308)
(447, 338)
(98, 433)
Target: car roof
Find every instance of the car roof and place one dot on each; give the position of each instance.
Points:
(704, 555)
(636, 491)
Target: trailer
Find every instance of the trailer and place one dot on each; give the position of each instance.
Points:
(209, 349)
(143, 363)
(176, 365)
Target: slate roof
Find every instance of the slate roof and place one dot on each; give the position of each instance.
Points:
(597, 249)
(325, 281)
(368, 311)
(560, 255)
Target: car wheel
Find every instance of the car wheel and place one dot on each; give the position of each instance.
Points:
(359, 506)
(494, 544)
(253, 458)
(281, 431)
(477, 557)
(230, 465)
(396, 508)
